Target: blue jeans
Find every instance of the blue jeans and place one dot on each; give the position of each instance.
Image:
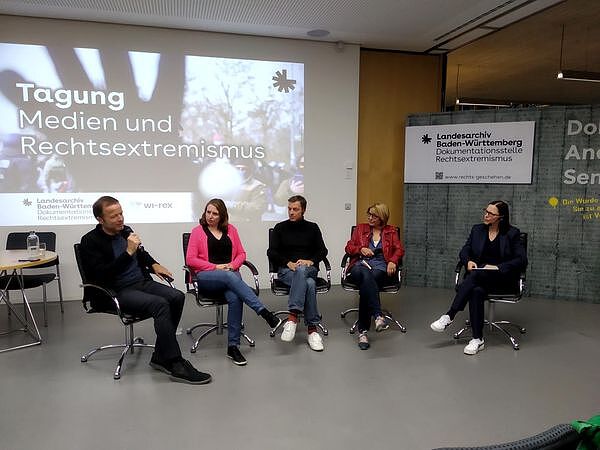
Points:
(236, 292)
(369, 282)
(303, 291)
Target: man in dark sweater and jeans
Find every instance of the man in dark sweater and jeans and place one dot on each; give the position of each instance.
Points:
(113, 257)
(296, 248)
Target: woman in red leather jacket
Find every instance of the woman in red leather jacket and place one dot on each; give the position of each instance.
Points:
(375, 251)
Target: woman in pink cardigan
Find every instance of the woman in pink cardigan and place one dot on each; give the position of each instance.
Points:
(215, 254)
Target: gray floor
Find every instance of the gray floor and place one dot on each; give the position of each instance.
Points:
(409, 391)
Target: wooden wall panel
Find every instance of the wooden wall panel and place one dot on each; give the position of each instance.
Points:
(392, 85)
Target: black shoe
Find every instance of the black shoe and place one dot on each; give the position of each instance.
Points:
(182, 371)
(271, 318)
(236, 356)
(155, 363)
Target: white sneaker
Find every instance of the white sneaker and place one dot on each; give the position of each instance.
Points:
(315, 341)
(289, 331)
(441, 324)
(474, 346)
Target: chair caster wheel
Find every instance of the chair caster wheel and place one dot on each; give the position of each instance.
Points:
(455, 335)
(326, 333)
(516, 347)
(192, 350)
(188, 331)
(342, 315)
(117, 376)
(351, 331)
(84, 359)
(252, 344)
(523, 330)
(272, 333)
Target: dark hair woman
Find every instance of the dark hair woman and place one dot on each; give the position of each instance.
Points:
(215, 254)
(493, 257)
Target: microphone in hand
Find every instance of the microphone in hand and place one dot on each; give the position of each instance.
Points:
(126, 232)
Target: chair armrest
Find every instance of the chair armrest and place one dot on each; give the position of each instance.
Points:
(344, 265)
(107, 292)
(327, 272)
(189, 277)
(254, 272)
(457, 272)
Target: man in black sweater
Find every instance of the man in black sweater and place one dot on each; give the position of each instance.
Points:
(113, 257)
(296, 248)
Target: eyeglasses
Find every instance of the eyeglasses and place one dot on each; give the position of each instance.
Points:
(489, 213)
(370, 214)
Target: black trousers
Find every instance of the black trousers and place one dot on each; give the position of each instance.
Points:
(164, 304)
(474, 290)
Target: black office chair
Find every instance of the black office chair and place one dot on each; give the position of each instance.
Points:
(279, 288)
(493, 298)
(18, 241)
(216, 301)
(391, 286)
(95, 291)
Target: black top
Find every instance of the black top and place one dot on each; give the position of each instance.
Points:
(291, 241)
(103, 266)
(513, 257)
(491, 252)
(219, 250)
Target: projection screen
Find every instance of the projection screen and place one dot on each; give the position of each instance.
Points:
(164, 132)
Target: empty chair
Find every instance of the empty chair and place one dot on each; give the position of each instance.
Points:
(18, 241)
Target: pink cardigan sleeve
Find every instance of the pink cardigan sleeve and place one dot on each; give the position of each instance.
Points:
(238, 254)
(196, 256)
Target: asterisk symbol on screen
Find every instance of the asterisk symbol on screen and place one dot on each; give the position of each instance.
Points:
(282, 83)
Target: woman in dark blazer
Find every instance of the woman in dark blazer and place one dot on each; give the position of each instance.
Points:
(496, 247)
(375, 251)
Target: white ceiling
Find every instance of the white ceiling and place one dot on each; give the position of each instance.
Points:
(416, 25)
(424, 26)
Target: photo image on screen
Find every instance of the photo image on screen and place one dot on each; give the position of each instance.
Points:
(162, 132)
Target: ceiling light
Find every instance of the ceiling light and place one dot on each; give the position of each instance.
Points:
(318, 33)
(481, 102)
(574, 75)
(578, 75)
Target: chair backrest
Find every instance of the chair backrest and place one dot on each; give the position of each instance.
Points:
(279, 288)
(187, 274)
(272, 267)
(510, 297)
(78, 259)
(18, 241)
(516, 296)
